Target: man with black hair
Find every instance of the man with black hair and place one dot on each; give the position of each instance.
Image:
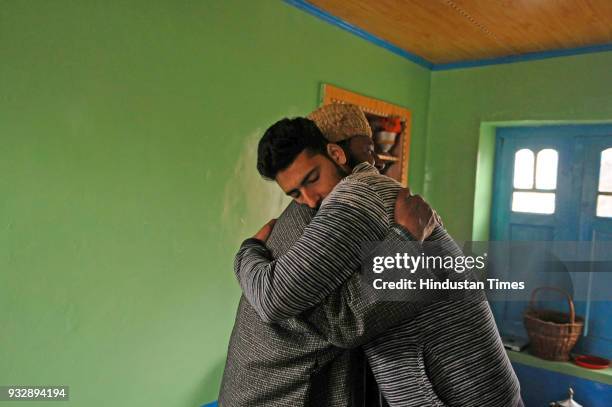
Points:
(311, 360)
(351, 209)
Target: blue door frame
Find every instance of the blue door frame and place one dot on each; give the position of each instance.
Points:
(574, 219)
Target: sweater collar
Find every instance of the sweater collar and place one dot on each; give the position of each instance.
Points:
(364, 167)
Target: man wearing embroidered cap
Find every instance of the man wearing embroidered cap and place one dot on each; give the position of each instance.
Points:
(347, 126)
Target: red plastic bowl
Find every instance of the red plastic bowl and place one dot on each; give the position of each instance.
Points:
(591, 362)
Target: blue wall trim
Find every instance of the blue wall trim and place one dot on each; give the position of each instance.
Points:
(524, 57)
(323, 15)
(317, 12)
(213, 404)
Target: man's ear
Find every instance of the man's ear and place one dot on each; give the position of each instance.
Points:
(336, 153)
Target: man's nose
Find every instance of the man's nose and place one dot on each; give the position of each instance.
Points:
(313, 200)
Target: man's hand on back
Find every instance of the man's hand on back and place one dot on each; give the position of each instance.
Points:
(265, 231)
(415, 215)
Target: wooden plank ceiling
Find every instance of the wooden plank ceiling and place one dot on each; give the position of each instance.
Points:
(445, 31)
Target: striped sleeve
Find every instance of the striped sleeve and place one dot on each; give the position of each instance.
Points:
(327, 253)
(350, 317)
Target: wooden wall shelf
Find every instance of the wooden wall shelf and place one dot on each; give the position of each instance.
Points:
(398, 157)
(384, 157)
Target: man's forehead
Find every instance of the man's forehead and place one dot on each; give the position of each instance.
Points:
(292, 176)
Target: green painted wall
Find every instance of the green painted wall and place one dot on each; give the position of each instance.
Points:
(127, 147)
(573, 88)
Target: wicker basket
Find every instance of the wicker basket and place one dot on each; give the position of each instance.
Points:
(552, 334)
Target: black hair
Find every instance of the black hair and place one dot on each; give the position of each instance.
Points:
(284, 141)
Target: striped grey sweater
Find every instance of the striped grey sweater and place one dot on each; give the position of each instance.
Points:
(442, 354)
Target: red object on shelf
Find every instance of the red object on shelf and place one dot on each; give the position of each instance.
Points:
(392, 124)
(591, 362)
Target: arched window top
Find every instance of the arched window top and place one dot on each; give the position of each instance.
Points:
(523, 169)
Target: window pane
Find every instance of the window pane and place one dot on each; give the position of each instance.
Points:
(546, 169)
(533, 202)
(523, 169)
(604, 206)
(605, 171)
